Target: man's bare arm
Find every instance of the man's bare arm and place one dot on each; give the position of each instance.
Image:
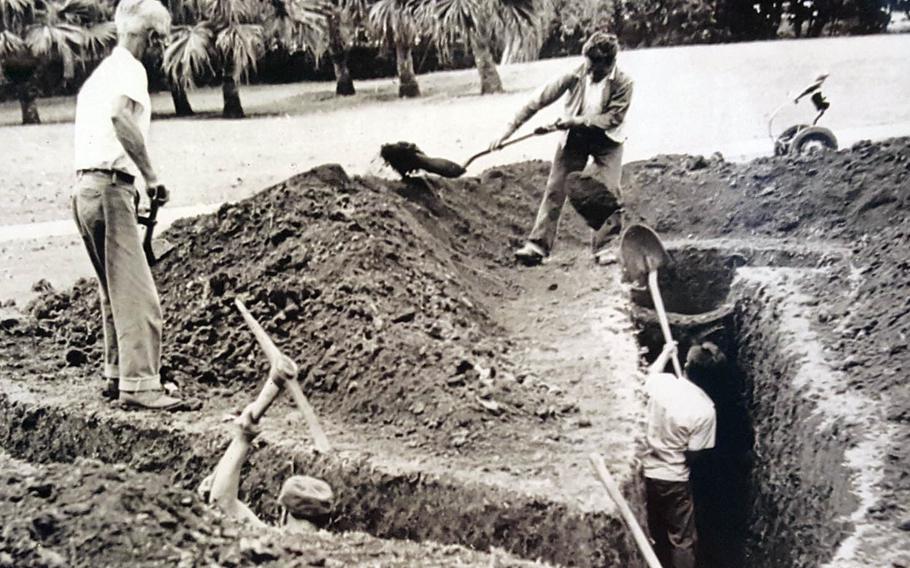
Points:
(547, 96)
(226, 479)
(123, 115)
(660, 363)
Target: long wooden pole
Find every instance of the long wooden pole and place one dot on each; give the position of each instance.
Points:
(662, 317)
(600, 468)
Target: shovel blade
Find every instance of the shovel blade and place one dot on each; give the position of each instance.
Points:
(641, 252)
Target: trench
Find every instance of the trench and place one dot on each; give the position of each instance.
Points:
(776, 489)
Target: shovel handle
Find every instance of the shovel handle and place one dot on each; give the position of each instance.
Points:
(538, 132)
(319, 438)
(662, 317)
(600, 468)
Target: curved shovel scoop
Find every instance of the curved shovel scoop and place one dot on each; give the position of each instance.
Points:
(642, 255)
(641, 252)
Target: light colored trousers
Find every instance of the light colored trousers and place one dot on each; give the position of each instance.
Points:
(572, 156)
(105, 212)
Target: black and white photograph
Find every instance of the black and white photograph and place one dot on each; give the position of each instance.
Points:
(452, 283)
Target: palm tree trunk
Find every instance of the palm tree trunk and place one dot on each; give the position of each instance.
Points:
(338, 51)
(181, 101)
(407, 80)
(28, 101)
(231, 95)
(486, 66)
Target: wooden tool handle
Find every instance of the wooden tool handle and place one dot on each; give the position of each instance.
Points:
(662, 317)
(264, 400)
(509, 143)
(265, 342)
(319, 438)
(612, 488)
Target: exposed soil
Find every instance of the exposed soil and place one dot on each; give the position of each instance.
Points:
(389, 293)
(380, 290)
(857, 199)
(90, 513)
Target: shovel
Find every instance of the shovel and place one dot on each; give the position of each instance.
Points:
(272, 387)
(642, 255)
(154, 249)
(406, 157)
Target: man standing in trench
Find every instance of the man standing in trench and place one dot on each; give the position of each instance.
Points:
(681, 425)
(113, 114)
(598, 98)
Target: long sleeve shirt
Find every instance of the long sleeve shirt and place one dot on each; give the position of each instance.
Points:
(615, 100)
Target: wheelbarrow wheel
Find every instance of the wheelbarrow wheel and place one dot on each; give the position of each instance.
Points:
(811, 140)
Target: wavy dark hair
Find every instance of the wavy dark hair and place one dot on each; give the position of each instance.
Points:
(601, 45)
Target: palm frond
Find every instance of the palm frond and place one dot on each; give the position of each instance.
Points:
(15, 7)
(59, 40)
(10, 44)
(98, 40)
(189, 54)
(396, 19)
(232, 12)
(240, 46)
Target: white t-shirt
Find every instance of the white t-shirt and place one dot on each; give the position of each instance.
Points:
(681, 418)
(594, 96)
(96, 144)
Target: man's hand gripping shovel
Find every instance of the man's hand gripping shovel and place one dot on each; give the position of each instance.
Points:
(642, 255)
(154, 249)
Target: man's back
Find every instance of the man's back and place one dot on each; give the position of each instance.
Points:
(681, 418)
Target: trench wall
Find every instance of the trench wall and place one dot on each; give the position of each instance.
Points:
(800, 488)
(409, 505)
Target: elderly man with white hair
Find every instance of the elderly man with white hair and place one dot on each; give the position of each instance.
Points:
(113, 114)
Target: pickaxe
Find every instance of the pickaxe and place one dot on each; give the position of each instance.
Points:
(283, 373)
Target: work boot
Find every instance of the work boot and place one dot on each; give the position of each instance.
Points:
(152, 400)
(531, 254)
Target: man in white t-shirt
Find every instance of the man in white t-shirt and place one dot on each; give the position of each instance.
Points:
(598, 96)
(113, 113)
(681, 423)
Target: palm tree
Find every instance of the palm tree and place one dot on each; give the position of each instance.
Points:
(398, 23)
(342, 21)
(183, 16)
(36, 33)
(229, 36)
(478, 24)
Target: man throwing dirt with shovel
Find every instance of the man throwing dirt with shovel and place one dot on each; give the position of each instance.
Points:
(598, 98)
(113, 114)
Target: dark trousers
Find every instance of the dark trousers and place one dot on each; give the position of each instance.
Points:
(572, 159)
(671, 520)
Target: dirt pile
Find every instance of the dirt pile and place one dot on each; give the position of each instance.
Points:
(828, 195)
(380, 290)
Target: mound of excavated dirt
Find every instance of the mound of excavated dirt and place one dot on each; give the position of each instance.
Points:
(94, 514)
(859, 197)
(829, 195)
(379, 290)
